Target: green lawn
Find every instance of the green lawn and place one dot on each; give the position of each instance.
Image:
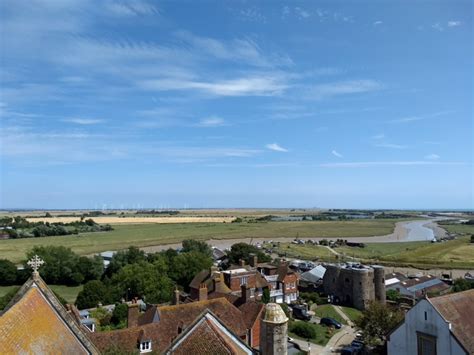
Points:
(351, 313)
(155, 234)
(323, 333)
(5, 289)
(66, 292)
(328, 311)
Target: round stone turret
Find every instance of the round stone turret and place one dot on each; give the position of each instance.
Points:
(274, 331)
(274, 314)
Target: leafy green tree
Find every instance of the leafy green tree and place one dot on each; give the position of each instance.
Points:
(185, 266)
(93, 293)
(6, 221)
(8, 273)
(243, 251)
(60, 265)
(303, 329)
(377, 321)
(90, 268)
(196, 245)
(462, 284)
(313, 297)
(7, 297)
(266, 295)
(120, 314)
(130, 256)
(144, 280)
(393, 295)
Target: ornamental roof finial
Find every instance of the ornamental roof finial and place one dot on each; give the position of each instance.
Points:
(35, 263)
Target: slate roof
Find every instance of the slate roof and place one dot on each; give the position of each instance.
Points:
(173, 320)
(315, 274)
(458, 309)
(36, 322)
(208, 335)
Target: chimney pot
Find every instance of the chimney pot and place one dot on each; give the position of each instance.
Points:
(132, 316)
(253, 260)
(202, 292)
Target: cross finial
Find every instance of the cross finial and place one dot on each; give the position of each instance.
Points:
(35, 263)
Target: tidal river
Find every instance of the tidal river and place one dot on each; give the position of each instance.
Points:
(418, 231)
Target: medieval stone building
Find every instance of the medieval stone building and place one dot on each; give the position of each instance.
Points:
(354, 284)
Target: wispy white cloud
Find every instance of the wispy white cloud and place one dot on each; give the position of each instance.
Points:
(336, 154)
(252, 14)
(432, 157)
(83, 121)
(390, 146)
(438, 27)
(237, 50)
(454, 23)
(246, 86)
(131, 8)
(378, 136)
(344, 88)
(212, 121)
(275, 147)
(377, 23)
(302, 13)
(376, 164)
(421, 117)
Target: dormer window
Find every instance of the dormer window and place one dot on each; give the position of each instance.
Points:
(145, 346)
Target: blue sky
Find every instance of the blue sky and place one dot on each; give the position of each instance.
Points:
(172, 104)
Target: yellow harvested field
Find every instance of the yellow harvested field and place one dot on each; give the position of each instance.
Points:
(133, 220)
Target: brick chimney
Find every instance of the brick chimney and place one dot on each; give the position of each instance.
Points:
(241, 262)
(175, 300)
(132, 316)
(245, 293)
(202, 292)
(253, 260)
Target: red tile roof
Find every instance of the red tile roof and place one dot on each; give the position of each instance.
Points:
(173, 320)
(35, 322)
(458, 309)
(207, 335)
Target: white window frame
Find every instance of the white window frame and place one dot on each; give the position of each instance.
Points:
(244, 280)
(145, 347)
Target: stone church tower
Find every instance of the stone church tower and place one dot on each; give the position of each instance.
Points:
(274, 331)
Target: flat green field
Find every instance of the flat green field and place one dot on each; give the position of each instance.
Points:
(458, 253)
(156, 234)
(66, 292)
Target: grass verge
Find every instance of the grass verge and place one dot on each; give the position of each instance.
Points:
(328, 311)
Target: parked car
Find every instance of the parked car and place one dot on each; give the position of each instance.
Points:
(349, 350)
(300, 312)
(358, 345)
(330, 322)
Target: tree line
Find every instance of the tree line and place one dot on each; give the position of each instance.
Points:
(20, 227)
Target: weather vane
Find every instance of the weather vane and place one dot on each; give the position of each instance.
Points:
(35, 263)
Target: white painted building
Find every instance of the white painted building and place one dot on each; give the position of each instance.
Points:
(437, 326)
